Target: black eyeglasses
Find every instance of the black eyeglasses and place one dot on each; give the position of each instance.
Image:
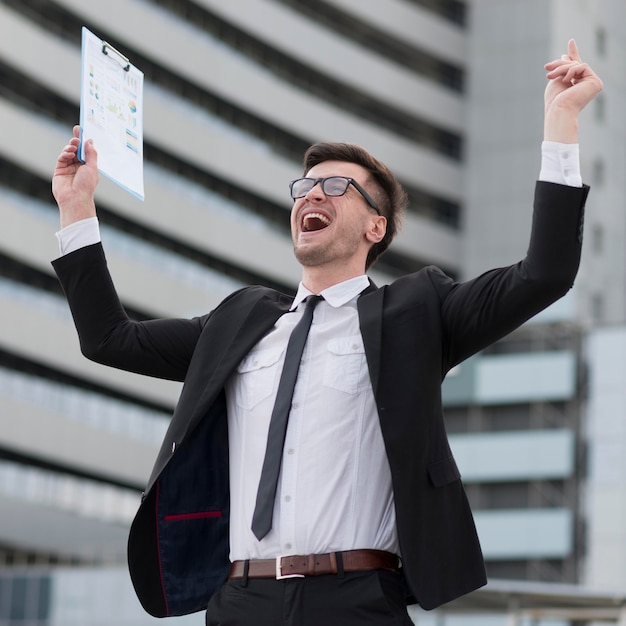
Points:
(332, 186)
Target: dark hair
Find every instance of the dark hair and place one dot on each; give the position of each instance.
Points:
(388, 193)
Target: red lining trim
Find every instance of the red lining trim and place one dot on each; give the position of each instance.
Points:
(198, 515)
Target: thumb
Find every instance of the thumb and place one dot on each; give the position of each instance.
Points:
(91, 154)
(572, 50)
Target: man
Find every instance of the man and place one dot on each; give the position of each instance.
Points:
(369, 506)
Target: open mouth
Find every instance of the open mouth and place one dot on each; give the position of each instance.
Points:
(314, 221)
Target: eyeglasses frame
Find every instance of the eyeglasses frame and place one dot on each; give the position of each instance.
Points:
(351, 181)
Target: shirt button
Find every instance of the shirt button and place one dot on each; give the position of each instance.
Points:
(287, 498)
(287, 546)
(290, 451)
(566, 172)
(294, 405)
(354, 346)
(565, 155)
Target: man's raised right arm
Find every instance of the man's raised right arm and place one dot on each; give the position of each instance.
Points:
(160, 348)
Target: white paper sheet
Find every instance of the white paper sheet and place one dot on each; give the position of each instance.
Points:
(111, 112)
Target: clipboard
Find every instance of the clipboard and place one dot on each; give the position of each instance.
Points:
(111, 112)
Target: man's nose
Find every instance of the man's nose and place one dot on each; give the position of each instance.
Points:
(316, 193)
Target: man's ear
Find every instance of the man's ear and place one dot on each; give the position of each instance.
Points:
(377, 229)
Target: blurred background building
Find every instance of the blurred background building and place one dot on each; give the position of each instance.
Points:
(448, 93)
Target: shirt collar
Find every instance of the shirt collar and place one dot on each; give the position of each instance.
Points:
(338, 294)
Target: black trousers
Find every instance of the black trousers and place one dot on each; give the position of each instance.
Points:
(355, 599)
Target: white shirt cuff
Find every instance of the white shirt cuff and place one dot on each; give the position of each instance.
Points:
(78, 235)
(560, 163)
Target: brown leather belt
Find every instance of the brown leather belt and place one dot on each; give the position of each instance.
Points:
(315, 564)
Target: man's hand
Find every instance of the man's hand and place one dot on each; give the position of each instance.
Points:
(572, 85)
(74, 183)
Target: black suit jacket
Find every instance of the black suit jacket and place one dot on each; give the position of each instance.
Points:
(414, 330)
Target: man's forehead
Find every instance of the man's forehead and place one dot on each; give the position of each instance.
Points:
(338, 168)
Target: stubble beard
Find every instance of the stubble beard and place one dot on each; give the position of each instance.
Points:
(311, 256)
(329, 251)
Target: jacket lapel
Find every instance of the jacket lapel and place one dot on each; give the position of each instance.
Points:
(370, 308)
(253, 327)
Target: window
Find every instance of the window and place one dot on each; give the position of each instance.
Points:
(597, 238)
(598, 171)
(597, 307)
(600, 108)
(601, 41)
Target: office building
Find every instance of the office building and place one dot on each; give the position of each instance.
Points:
(447, 93)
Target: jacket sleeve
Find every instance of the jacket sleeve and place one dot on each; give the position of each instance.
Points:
(482, 310)
(160, 348)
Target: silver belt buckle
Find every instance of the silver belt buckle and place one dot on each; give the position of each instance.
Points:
(279, 571)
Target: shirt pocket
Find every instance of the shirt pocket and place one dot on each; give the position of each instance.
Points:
(346, 368)
(257, 376)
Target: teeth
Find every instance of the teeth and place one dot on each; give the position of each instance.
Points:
(310, 218)
(319, 216)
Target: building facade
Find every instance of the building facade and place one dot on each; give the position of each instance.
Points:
(447, 93)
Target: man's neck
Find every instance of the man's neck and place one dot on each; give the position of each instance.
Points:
(318, 278)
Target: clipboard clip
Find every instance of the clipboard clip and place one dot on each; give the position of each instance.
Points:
(124, 61)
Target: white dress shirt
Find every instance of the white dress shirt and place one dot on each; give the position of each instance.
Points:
(335, 490)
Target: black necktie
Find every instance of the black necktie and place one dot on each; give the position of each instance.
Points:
(264, 508)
